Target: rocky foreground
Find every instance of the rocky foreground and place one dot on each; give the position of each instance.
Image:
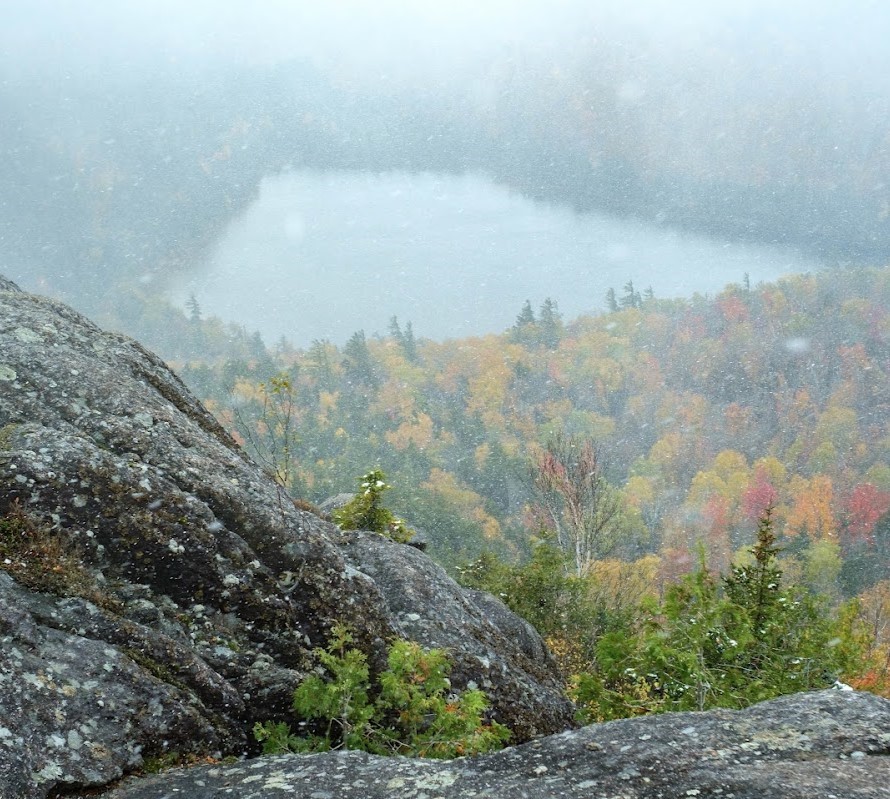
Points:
(807, 746)
(159, 594)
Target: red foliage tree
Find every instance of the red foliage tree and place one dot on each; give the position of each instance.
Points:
(862, 509)
(758, 496)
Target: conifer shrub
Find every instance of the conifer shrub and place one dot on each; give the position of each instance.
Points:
(366, 511)
(728, 643)
(409, 710)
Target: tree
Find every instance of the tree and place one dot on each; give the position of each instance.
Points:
(759, 495)
(703, 647)
(357, 362)
(575, 501)
(319, 360)
(611, 301)
(404, 338)
(272, 436)
(196, 330)
(525, 330)
(631, 297)
(366, 512)
(864, 507)
(812, 512)
(756, 587)
(550, 324)
(194, 309)
(526, 316)
(409, 344)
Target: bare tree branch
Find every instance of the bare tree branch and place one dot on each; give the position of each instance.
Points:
(577, 502)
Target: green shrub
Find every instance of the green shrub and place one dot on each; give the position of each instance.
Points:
(730, 645)
(409, 711)
(366, 512)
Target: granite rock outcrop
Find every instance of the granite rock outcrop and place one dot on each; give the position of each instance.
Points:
(200, 589)
(823, 744)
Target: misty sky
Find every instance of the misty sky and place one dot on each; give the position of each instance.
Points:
(757, 95)
(388, 35)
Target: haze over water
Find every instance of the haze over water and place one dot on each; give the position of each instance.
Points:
(321, 255)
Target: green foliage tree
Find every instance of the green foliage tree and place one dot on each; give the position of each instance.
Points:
(704, 647)
(411, 710)
(562, 607)
(193, 308)
(631, 297)
(525, 330)
(320, 363)
(366, 512)
(526, 316)
(405, 339)
(550, 324)
(357, 362)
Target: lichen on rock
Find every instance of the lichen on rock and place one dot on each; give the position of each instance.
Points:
(209, 589)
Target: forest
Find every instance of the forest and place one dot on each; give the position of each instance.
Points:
(699, 419)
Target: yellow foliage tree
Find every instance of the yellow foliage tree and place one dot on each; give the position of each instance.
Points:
(811, 512)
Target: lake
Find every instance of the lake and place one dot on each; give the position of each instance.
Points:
(321, 255)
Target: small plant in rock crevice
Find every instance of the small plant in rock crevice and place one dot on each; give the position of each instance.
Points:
(40, 559)
(409, 710)
(366, 512)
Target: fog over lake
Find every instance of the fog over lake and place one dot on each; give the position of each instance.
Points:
(320, 255)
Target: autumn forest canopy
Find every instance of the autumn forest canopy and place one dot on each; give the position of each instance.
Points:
(696, 417)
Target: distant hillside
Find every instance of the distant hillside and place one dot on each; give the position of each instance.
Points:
(705, 409)
(116, 178)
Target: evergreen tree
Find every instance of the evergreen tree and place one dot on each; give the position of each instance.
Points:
(319, 361)
(410, 709)
(631, 297)
(757, 588)
(366, 512)
(194, 309)
(405, 339)
(702, 648)
(409, 344)
(256, 348)
(525, 331)
(550, 324)
(196, 330)
(394, 329)
(526, 316)
(357, 360)
(611, 301)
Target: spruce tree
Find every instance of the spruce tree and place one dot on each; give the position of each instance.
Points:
(194, 309)
(409, 344)
(758, 587)
(550, 324)
(525, 330)
(631, 297)
(526, 316)
(357, 360)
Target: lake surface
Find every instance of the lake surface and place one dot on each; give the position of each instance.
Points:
(321, 255)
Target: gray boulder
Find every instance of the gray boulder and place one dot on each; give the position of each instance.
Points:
(183, 592)
(806, 746)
